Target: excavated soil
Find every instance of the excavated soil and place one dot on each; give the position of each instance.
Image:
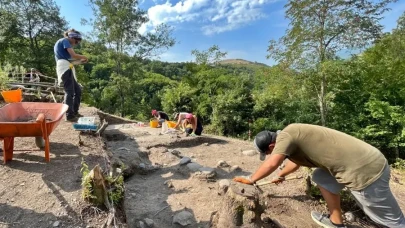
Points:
(161, 194)
(34, 193)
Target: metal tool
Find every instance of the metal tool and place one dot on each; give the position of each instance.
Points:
(258, 188)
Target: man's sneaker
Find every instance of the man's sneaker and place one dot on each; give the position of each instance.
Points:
(78, 115)
(323, 220)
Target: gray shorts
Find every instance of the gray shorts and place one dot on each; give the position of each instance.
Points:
(376, 200)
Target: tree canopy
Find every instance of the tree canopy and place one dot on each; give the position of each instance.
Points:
(363, 95)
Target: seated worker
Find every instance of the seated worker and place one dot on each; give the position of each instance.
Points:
(196, 127)
(180, 119)
(340, 160)
(160, 116)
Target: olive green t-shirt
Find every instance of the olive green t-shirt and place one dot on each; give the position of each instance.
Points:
(354, 163)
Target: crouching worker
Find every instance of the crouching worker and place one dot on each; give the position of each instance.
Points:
(180, 117)
(193, 125)
(340, 161)
(160, 116)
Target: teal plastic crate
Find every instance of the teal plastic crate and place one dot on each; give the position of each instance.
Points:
(85, 124)
(84, 127)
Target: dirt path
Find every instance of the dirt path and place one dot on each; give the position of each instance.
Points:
(38, 194)
(148, 196)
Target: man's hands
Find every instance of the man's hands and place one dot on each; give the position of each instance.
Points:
(278, 180)
(242, 180)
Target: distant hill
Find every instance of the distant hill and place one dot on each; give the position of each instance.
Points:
(242, 62)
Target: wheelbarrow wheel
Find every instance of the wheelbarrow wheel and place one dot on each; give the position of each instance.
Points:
(40, 142)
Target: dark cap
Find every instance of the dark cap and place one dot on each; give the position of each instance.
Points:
(262, 141)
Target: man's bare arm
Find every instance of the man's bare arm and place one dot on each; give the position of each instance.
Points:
(268, 167)
(289, 168)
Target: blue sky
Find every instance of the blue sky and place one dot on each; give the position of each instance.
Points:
(242, 28)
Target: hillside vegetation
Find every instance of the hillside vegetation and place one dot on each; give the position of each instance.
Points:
(363, 96)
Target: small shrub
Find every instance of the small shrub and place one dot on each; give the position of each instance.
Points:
(87, 192)
(399, 164)
(113, 186)
(116, 189)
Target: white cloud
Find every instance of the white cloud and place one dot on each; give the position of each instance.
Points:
(216, 15)
(174, 57)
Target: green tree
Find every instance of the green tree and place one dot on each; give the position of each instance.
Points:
(30, 31)
(319, 29)
(210, 56)
(117, 24)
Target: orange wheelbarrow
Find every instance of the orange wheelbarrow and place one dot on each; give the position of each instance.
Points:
(28, 119)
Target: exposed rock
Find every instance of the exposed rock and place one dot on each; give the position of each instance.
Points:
(222, 164)
(149, 222)
(223, 186)
(194, 167)
(123, 148)
(207, 170)
(350, 217)
(169, 183)
(174, 151)
(185, 160)
(249, 152)
(56, 224)
(183, 218)
(205, 173)
(131, 162)
(235, 168)
(141, 224)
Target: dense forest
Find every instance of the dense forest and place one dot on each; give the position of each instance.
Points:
(363, 95)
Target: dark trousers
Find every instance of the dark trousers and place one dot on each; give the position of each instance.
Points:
(73, 93)
(199, 127)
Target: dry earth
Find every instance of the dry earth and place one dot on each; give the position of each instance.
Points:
(149, 196)
(34, 193)
(38, 194)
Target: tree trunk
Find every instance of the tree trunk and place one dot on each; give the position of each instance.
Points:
(98, 188)
(322, 101)
(241, 207)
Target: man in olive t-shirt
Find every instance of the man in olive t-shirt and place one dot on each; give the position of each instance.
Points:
(340, 161)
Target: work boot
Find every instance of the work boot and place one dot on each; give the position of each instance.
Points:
(71, 118)
(78, 115)
(324, 221)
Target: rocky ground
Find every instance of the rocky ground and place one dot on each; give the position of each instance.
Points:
(171, 180)
(181, 179)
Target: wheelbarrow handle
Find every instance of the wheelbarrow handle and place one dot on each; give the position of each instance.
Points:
(40, 117)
